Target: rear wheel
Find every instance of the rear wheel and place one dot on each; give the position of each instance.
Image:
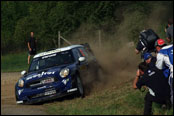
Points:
(80, 87)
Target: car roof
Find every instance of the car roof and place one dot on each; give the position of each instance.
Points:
(56, 50)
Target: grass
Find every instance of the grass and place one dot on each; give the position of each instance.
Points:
(14, 62)
(114, 101)
(121, 100)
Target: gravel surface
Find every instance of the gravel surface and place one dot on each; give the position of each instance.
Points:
(8, 102)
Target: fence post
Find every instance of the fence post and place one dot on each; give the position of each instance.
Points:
(58, 39)
(99, 38)
(66, 40)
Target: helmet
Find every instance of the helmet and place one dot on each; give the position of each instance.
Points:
(147, 55)
(160, 42)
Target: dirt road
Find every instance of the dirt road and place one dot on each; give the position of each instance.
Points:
(8, 103)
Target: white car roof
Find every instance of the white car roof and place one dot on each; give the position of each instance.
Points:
(56, 50)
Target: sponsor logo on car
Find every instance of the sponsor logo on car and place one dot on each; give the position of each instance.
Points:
(40, 75)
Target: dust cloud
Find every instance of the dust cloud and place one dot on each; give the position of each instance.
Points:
(117, 66)
(116, 57)
(115, 52)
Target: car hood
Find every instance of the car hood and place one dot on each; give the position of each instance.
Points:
(50, 72)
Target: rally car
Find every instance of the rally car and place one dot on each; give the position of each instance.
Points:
(55, 73)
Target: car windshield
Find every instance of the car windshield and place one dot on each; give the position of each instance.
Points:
(51, 60)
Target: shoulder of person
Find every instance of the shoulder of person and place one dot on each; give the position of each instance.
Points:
(144, 76)
(169, 30)
(171, 27)
(167, 46)
(153, 58)
(151, 71)
(156, 71)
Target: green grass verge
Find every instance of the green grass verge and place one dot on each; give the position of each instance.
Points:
(14, 62)
(115, 101)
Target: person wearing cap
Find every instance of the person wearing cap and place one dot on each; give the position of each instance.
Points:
(149, 60)
(159, 89)
(165, 61)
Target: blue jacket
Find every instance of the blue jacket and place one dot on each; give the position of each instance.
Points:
(162, 63)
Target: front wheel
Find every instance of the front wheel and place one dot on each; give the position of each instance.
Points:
(16, 95)
(80, 87)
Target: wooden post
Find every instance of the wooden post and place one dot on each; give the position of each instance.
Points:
(58, 39)
(66, 40)
(99, 38)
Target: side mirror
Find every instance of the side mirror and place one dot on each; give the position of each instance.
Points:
(82, 59)
(23, 72)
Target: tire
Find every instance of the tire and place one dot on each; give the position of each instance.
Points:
(80, 87)
(16, 95)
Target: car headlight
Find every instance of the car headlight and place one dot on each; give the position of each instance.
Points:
(21, 83)
(64, 72)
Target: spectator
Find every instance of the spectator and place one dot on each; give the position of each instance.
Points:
(165, 61)
(31, 46)
(146, 42)
(159, 90)
(149, 60)
(169, 31)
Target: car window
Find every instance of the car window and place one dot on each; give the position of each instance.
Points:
(51, 60)
(83, 52)
(77, 55)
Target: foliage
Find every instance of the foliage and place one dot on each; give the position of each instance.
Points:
(48, 17)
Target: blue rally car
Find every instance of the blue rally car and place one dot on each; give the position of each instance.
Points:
(55, 73)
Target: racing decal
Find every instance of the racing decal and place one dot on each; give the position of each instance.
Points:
(20, 91)
(19, 102)
(48, 56)
(71, 90)
(52, 52)
(47, 53)
(50, 92)
(40, 75)
(42, 87)
(151, 73)
(82, 53)
(65, 81)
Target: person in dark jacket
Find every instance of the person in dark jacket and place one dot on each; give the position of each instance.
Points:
(31, 46)
(159, 89)
(149, 60)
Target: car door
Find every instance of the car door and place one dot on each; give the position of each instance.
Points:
(82, 66)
